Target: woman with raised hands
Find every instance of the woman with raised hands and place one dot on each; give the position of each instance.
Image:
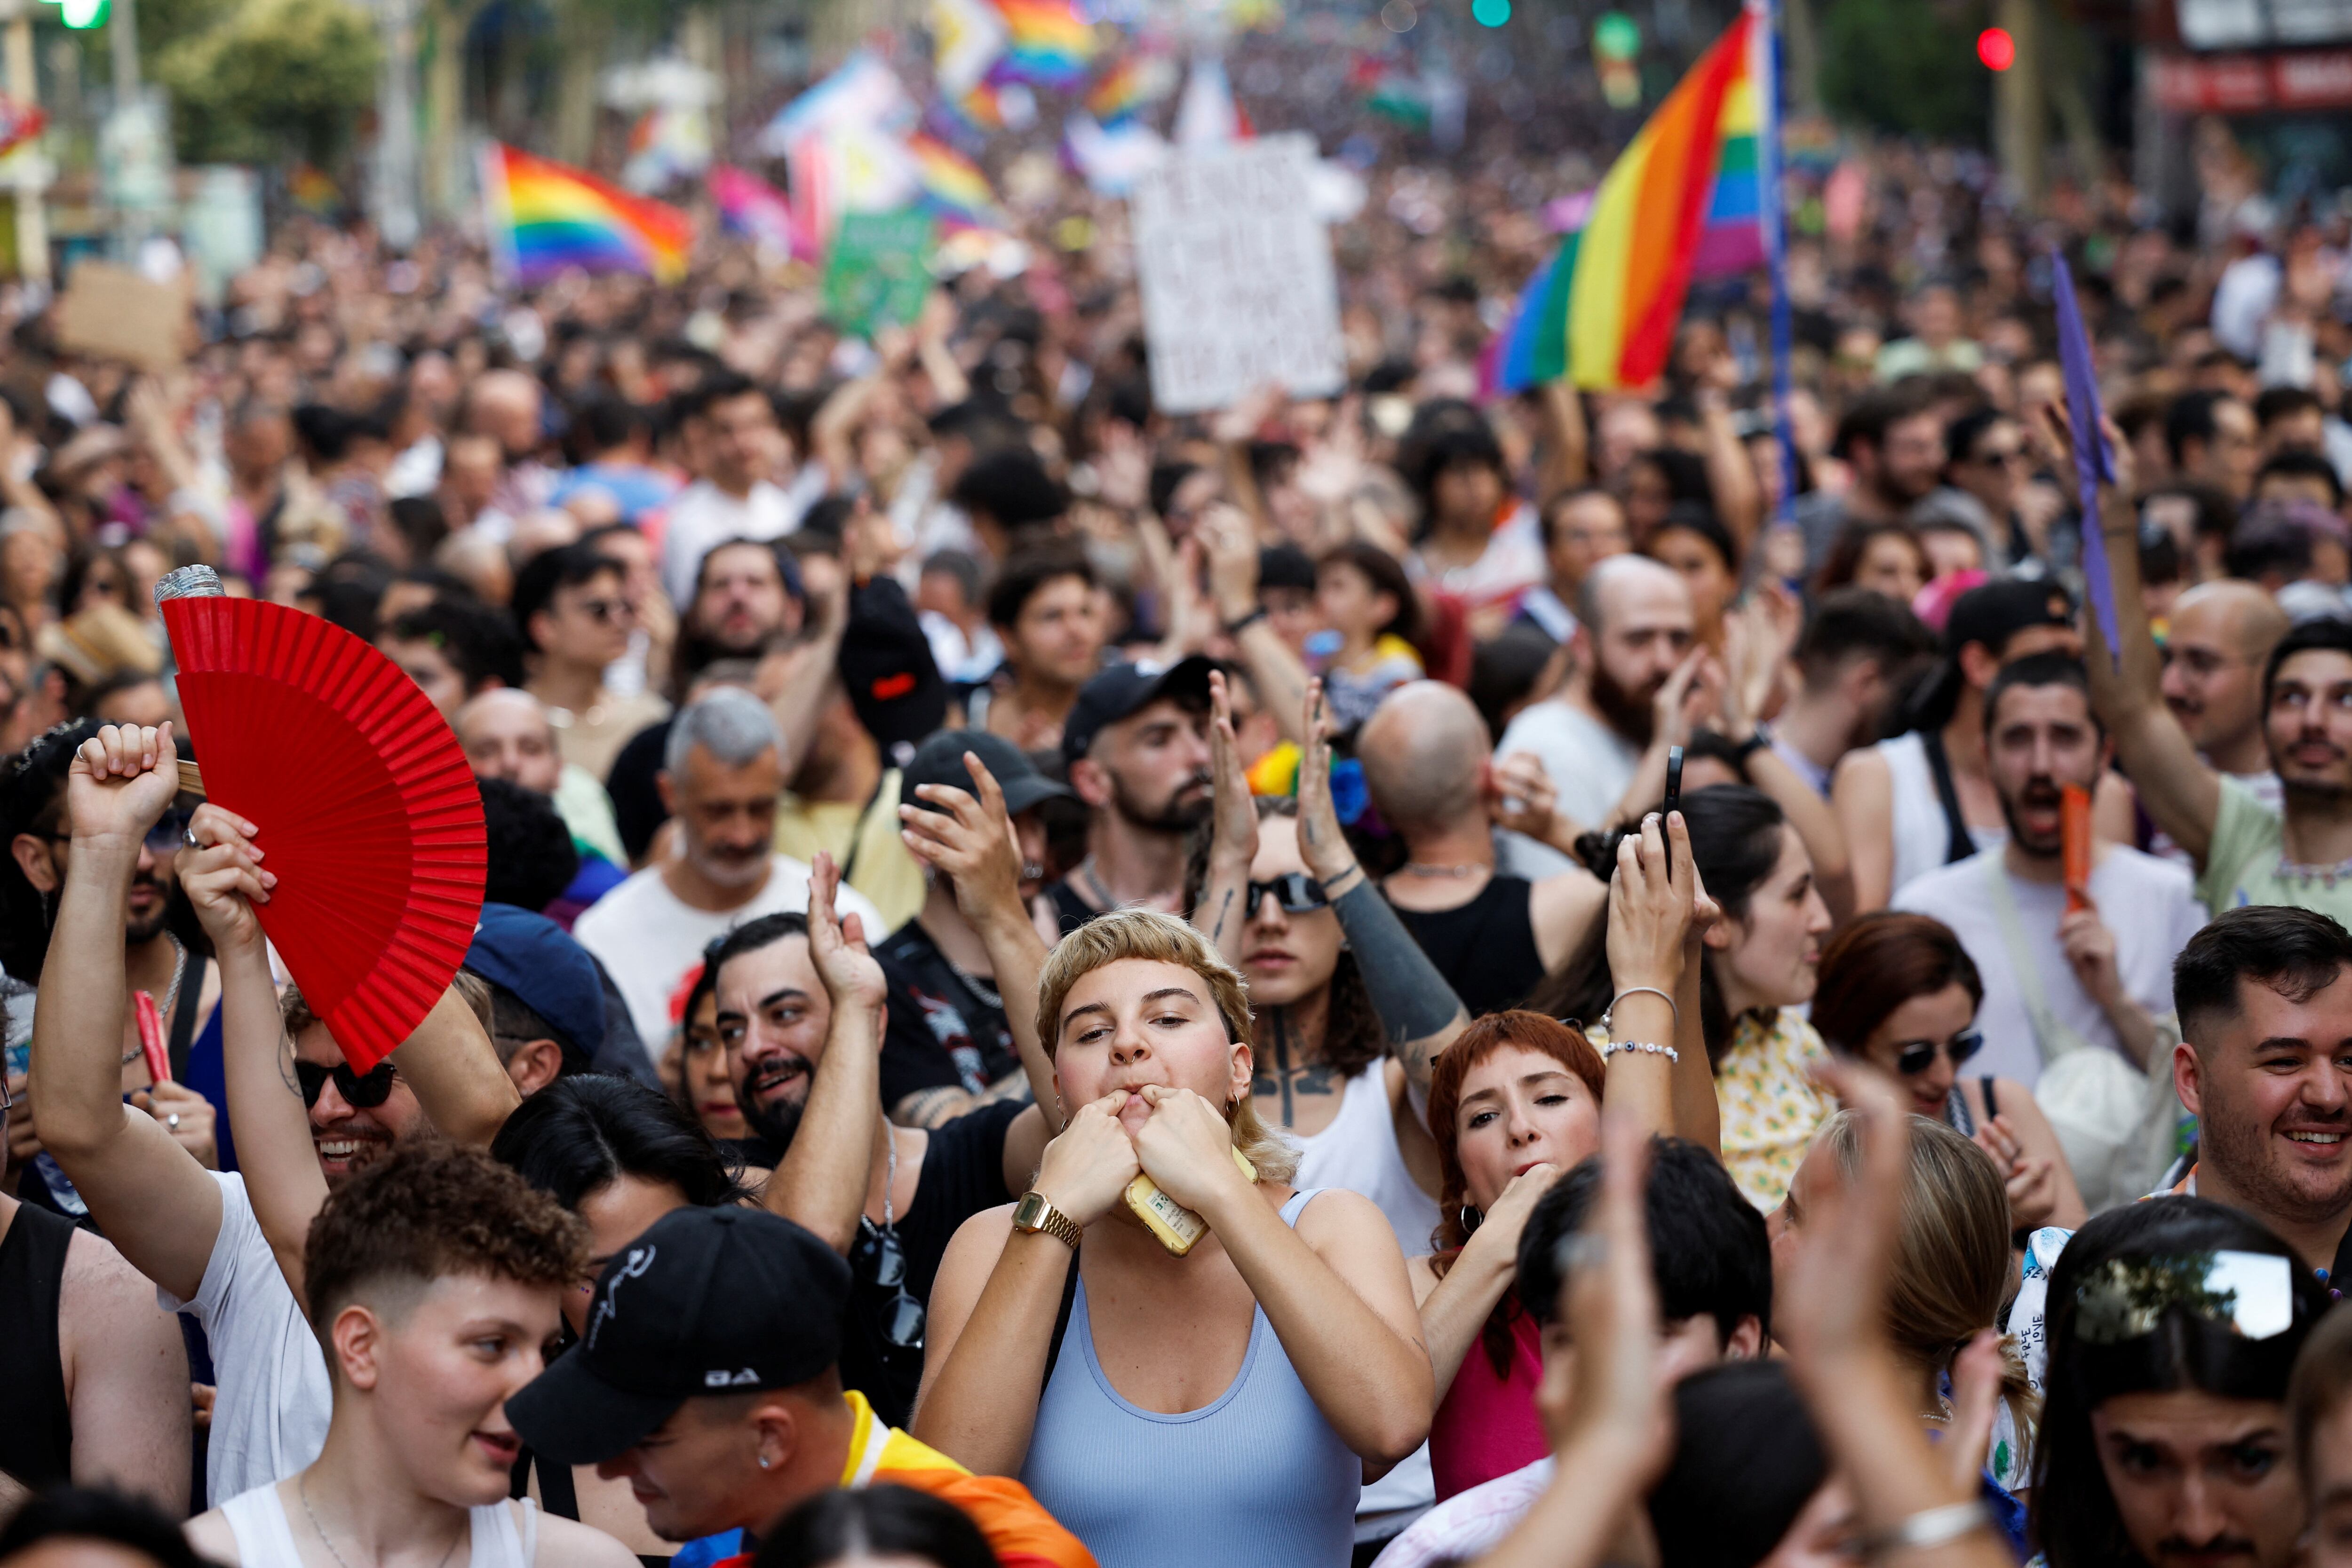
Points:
(1268, 1366)
(1517, 1102)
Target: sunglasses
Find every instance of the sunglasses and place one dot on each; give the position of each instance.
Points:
(1914, 1056)
(164, 837)
(605, 611)
(360, 1091)
(1294, 889)
(880, 1257)
(2250, 1294)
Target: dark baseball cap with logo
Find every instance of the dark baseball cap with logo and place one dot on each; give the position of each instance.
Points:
(940, 761)
(1124, 690)
(707, 1301)
(1993, 612)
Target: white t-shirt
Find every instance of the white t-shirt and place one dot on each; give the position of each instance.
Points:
(650, 939)
(1592, 766)
(703, 515)
(2150, 906)
(1923, 834)
(1512, 562)
(270, 1417)
(1469, 1524)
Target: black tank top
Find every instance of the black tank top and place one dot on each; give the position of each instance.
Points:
(1069, 909)
(36, 1438)
(1486, 947)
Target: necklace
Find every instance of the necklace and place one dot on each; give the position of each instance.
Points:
(179, 969)
(2327, 875)
(302, 1490)
(1466, 869)
(1095, 883)
(983, 994)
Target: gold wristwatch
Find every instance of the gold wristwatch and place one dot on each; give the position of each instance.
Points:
(1037, 1212)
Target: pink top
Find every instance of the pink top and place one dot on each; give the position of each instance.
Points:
(1488, 1426)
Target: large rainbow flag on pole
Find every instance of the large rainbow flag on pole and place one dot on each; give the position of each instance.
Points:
(544, 216)
(1685, 199)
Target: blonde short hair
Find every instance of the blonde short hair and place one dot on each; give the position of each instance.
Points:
(1159, 938)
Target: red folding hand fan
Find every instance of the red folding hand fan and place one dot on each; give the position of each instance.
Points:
(369, 814)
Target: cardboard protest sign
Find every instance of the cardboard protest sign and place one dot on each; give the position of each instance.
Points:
(1237, 281)
(879, 272)
(113, 313)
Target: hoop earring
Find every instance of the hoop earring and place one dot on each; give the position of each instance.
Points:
(1470, 1219)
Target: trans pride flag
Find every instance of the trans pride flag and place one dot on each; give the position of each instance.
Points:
(544, 216)
(1685, 199)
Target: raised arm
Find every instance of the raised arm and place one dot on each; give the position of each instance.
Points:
(1223, 910)
(1567, 441)
(2182, 795)
(155, 1203)
(823, 1181)
(1418, 1010)
(1862, 794)
(453, 1068)
(224, 878)
(998, 1293)
(971, 840)
(1333, 1287)
(1650, 918)
(1279, 673)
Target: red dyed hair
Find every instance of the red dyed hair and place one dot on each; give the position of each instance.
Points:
(1485, 1037)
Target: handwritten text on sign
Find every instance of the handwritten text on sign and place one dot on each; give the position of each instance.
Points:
(1238, 287)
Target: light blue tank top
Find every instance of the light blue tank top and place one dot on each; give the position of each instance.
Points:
(1254, 1479)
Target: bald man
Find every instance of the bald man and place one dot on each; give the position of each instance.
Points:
(1635, 629)
(1429, 763)
(2221, 637)
(507, 735)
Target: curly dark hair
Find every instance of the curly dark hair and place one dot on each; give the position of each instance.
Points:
(32, 801)
(1353, 1036)
(430, 1209)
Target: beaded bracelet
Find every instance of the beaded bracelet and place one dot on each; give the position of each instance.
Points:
(1644, 1046)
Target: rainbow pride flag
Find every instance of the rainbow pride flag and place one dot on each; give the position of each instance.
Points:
(544, 216)
(1685, 199)
(1130, 84)
(750, 206)
(1047, 42)
(952, 184)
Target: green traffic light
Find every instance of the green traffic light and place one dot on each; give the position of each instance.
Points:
(82, 14)
(1616, 36)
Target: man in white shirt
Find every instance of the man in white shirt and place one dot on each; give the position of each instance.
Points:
(2053, 981)
(722, 773)
(1636, 633)
(734, 498)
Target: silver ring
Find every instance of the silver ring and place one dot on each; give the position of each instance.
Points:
(173, 1121)
(188, 837)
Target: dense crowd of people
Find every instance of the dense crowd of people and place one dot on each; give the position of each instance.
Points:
(1061, 984)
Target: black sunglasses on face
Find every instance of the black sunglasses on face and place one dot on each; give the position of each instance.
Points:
(1914, 1056)
(360, 1091)
(1294, 889)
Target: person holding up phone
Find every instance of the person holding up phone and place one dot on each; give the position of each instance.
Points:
(1271, 1367)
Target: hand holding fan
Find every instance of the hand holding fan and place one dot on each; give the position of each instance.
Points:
(371, 816)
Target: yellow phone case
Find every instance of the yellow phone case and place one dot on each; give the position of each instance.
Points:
(1177, 1226)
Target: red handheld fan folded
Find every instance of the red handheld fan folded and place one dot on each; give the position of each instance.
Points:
(369, 816)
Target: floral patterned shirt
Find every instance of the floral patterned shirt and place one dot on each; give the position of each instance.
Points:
(1769, 1104)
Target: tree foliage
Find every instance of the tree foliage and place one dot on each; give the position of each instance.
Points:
(1905, 66)
(263, 79)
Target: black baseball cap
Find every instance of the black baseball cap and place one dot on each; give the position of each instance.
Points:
(1125, 689)
(707, 1301)
(886, 668)
(1993, 612)
(940, 761)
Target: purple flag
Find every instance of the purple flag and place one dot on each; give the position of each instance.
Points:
(2093, 462)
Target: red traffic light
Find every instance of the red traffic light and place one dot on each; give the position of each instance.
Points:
(1996, 48)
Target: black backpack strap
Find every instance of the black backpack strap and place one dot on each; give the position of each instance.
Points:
(1061, 1321)
(1958, 845)
(557, 1495)
(181, 1027)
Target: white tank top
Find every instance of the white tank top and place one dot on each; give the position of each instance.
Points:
(504, 1535)
(1358, 1151)
(1922, 836)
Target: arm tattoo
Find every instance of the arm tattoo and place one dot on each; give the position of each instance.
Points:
(933, 1107)
(1217, 932)
(286, 1073)
(1414, 1001)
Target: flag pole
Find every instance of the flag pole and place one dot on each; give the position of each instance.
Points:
(1776, 256)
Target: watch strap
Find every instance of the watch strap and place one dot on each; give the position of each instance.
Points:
(1049, 1219)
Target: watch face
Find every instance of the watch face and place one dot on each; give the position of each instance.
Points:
(1030, 1212)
